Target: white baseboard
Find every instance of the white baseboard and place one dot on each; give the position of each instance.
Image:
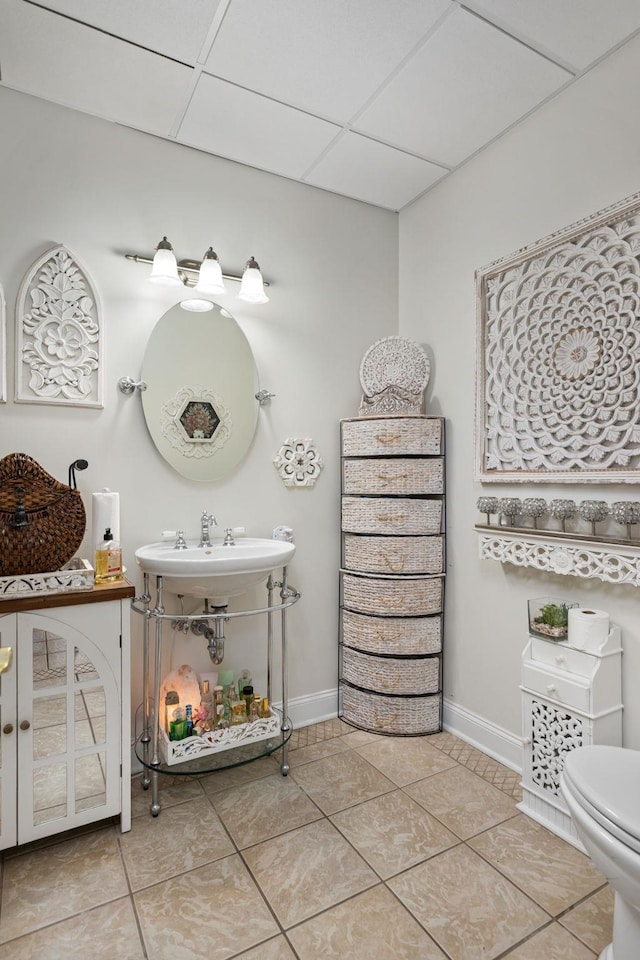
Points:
(496, 742)
(313, 708)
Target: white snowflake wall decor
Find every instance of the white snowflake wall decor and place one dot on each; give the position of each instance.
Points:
(558, 375)
(59, 334)
(298, 463)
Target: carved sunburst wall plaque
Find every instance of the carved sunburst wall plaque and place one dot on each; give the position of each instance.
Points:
(558, 354)
(59, 334)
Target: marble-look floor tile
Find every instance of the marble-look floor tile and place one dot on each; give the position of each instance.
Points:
(258, 811)
(371, 926)
(317, 751)
(308, 870)
(592, 920)
(462, 801)
(546, 868)
(552, 943)
(246, 773)
(358, 738)
(181, 838)
(211, 913)
(406, 760)
(104, 933)
(57, 881)
(276, 949)
(341, 781)
(172, 790)
(393, 832)
(468, 908)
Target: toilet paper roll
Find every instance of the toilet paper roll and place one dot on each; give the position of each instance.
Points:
(588, 628)
(105, 514)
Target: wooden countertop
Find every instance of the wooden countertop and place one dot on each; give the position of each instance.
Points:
(99, 593)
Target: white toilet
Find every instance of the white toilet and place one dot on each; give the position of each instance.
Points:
(601, 786)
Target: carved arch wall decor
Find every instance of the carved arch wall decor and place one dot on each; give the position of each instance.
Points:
(558, 355)
(3, 348)
(58, 333)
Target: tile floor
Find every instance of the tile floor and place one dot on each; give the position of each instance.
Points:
(373, 848)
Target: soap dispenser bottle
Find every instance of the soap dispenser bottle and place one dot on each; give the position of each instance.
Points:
(108, 560)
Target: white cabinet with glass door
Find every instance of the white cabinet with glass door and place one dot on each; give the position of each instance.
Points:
(65, 714)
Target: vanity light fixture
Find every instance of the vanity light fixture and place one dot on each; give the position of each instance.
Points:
(205, 276)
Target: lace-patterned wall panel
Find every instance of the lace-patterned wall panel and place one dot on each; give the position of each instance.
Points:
(59, 334)
(3, 348)
(558, 360)
(553, 735)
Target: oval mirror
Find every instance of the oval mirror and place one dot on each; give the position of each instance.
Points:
(200, 405)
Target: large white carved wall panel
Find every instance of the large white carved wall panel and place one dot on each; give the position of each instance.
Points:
(58, 334)
(559, 355)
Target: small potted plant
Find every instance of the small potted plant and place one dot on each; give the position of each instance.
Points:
(549, 618)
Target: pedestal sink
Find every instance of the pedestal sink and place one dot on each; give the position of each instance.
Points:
(216, 572)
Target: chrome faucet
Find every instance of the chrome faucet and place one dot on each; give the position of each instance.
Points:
(228, 538)
(205, 521)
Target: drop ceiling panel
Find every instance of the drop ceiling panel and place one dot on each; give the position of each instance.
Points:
(466, 85)
(575, 31)
(373, 172)
(243, 126)
(89, 71)
(176, 30)
(325, 57)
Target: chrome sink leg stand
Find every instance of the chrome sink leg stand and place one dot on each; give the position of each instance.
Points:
(284, 593)
(155, 757)
(270, 589)
(145, 739)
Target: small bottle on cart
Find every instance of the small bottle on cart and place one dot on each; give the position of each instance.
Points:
(218, 707)
(189, 713)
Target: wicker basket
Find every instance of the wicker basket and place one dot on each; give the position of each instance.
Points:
(42, 521)
(398, 477)
(399, 516)
(410, 675)
(408, 716)
(402, 636)
(399, 555)
(366, 437)
(409, 596)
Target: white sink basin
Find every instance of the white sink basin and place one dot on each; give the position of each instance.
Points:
(216, 572)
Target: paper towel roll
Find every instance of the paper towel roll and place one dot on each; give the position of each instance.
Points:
(105, 514)
(588, 628)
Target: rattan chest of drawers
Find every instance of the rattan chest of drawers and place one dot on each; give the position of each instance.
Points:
(392, 573)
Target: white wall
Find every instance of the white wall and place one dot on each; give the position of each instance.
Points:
(104, 190)
(576, 155)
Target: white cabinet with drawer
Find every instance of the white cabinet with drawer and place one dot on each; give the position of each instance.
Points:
(570, 698)
(392, 573)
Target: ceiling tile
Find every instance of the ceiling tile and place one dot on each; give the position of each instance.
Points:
(243, 126)
(326, 57)
(373, 172)
(463, 87)
(176, 30)
(89, 71)
(574, 31)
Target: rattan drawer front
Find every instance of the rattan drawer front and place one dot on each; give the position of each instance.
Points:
(385, 714)
(391, 674)
(394, 554)
(402, 636)
(388, 516)
(397, 477)
(392, 435)
(407, 596)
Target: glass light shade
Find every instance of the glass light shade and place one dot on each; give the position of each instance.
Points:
(196, 305)
(210, 276)
(165, 268)
(252, 286)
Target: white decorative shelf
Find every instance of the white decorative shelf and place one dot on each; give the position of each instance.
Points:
(613, 561)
